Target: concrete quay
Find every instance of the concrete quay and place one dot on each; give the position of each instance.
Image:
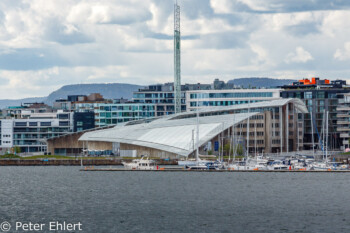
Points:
(73, 162)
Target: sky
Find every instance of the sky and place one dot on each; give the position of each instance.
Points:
(45, 44)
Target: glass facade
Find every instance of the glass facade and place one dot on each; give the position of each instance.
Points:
(318, 101)
(221, 103)
(231, 95)
(107, 114)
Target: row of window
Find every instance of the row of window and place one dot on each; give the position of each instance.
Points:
(257, 117)
(231, 95)
(222, 103)
(126, 114)
(127, 108)
(309, 95)
(276, 141)
(44, 124)
(252, 142)
(252, 134)
(156, 95)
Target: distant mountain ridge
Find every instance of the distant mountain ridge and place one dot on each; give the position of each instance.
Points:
(108, 90)
(260, 82)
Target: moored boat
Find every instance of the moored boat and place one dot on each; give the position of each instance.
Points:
(141, 164)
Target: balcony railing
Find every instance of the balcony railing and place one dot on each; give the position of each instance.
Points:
(343, 122)
(342, 129)
(343, 115)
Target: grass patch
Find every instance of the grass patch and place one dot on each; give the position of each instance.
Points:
(9, 156)
(59, 157)
(45, 157)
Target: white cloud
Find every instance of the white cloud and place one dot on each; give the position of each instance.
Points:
(221, 6)
(299, 56)
(344, 53)
(45, 44)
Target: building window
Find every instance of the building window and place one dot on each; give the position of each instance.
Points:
(33, 123)
(64, 123)
(63, 116)
(276, 142)
(20, 123)
(308, 95)
(332, 95)
(45, 123)
(320, 95)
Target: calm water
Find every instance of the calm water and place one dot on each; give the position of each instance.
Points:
(176, 201)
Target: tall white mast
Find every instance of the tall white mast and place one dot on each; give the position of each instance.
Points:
(177, 59)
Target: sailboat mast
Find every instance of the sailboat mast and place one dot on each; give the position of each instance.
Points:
(192, 139)
(230, 140)
(323, 130)
(312, 135)
(197, 134)
(248, 130)
(255, 138)
(327, 135)
(232, 137)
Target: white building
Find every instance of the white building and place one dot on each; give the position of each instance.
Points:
(229, 97)
(29, 134)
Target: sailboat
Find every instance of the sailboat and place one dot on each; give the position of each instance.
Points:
(196, 163)
(191, 162)
(323, 165)
(202, 164)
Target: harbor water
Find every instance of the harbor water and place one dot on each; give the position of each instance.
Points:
(176, 201)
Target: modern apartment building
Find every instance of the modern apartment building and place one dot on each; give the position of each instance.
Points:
(229, 97)
(29, 134)
(25, 110)
(106, 111)
(319, 97)
(80, 103)
(343, 120)
(162, 95)
(107, 114)
(83, 121)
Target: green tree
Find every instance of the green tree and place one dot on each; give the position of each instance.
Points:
(16, 150)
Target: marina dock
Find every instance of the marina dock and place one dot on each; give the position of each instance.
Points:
(181, 169)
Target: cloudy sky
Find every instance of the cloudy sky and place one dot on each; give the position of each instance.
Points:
(45, 44)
